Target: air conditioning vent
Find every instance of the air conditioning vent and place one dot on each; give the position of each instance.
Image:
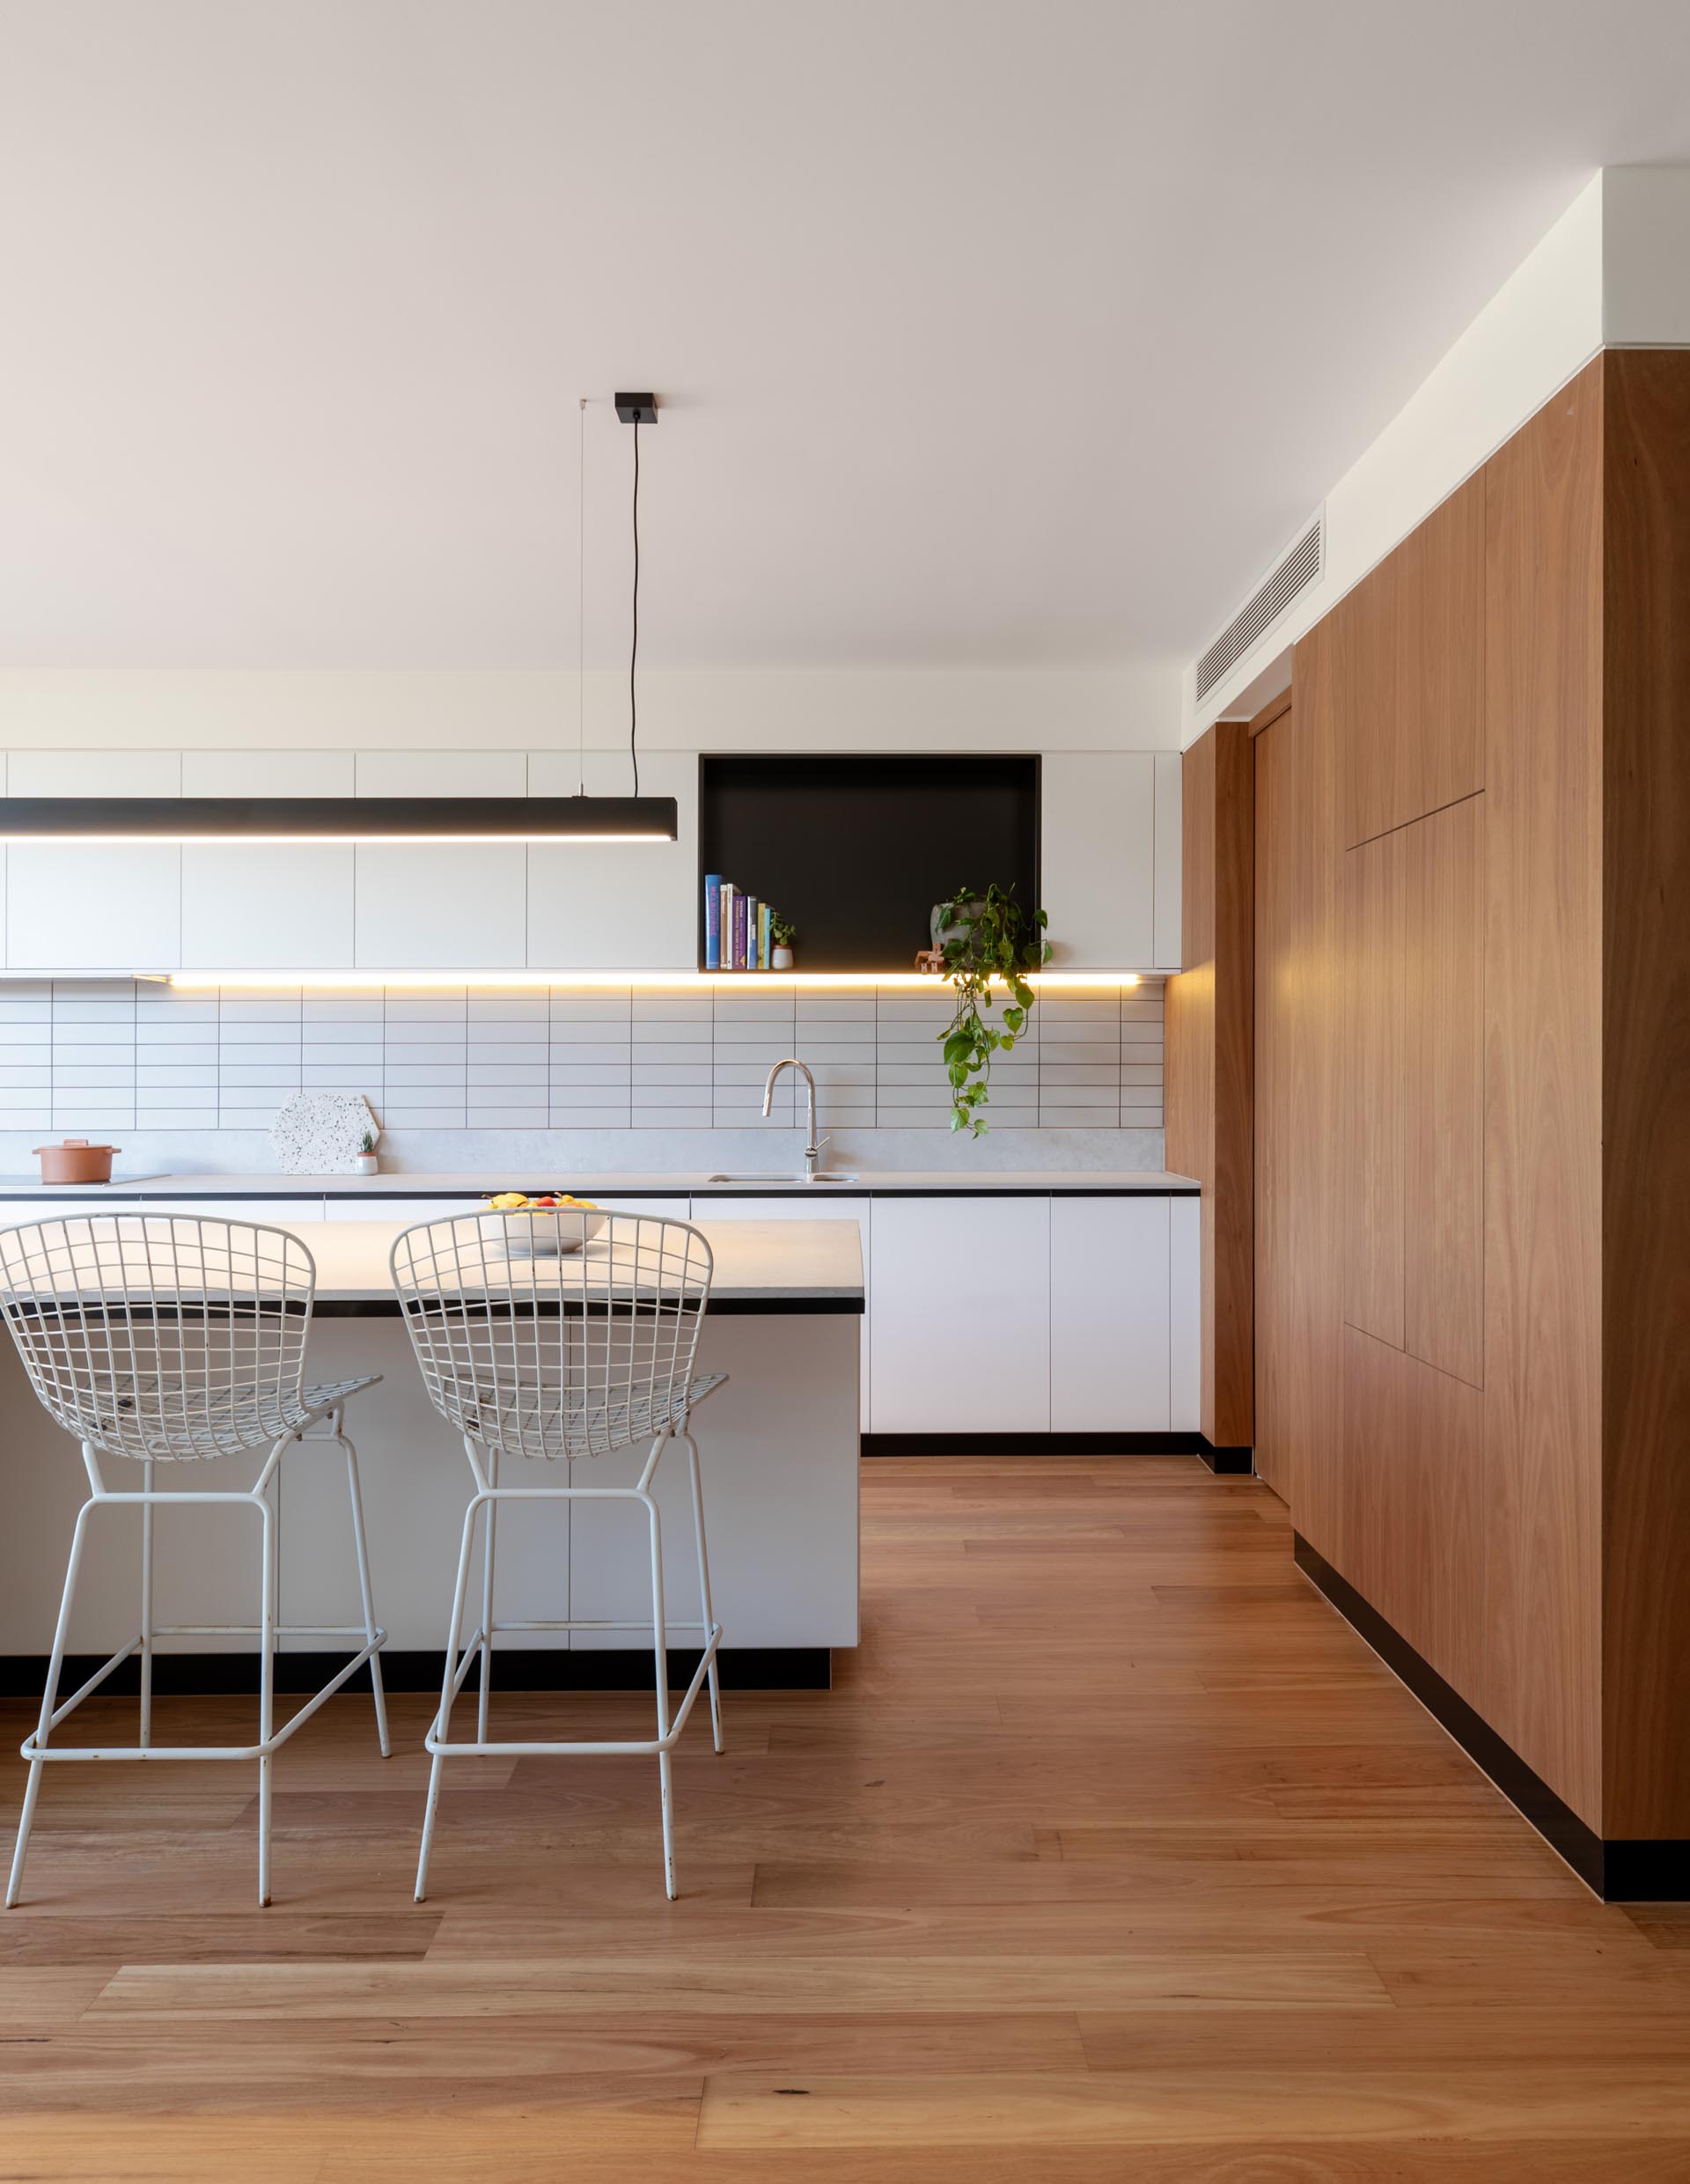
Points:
(1294, 575)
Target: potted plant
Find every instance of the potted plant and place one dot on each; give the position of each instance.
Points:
(781, 933)
(366, 1163)
(980, 937)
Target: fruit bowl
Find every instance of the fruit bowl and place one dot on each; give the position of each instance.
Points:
(555, 1226)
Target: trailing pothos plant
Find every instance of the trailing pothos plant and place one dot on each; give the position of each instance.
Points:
(985, 937)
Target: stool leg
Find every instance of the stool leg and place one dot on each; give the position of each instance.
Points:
(146, 1611)
(362, 1548)
(442, 1719)
(704, 1584)
(49, 1700)
(660, 1649)
(266, 1691)
(485, 1696)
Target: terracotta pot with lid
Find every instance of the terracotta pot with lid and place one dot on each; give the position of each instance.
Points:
(77, 1161)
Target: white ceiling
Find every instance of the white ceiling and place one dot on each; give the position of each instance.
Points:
(989, 332)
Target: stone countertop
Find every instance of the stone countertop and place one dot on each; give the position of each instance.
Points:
(482, 1182)
(804, 1266)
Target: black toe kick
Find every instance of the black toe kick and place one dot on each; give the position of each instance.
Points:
(1218, 1460)
(1616, 1870)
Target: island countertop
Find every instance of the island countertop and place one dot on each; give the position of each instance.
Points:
(864, 1183)
(778, 1268)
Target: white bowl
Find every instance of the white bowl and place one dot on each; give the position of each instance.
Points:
(552, 1233)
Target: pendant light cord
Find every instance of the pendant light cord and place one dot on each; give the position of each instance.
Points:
(634, 652)
(581, 604)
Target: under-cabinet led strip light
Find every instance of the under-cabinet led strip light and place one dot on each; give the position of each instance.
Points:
(746, 981)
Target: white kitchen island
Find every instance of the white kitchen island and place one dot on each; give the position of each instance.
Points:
(779, 1445)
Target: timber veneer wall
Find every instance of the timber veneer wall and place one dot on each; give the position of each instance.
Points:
(1209, 1013)
(1475, 858)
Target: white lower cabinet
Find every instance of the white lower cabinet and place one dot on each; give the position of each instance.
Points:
(959, 1327)
(815, 1208)
(999, 1314)
(1185, 1331)
(1109, 1364)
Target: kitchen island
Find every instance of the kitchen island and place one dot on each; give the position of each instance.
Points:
(779, 1445)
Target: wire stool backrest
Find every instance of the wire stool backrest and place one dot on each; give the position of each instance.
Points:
(159, 1336)
(556, 1334)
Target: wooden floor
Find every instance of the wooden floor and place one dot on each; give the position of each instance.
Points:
(1114, 1855)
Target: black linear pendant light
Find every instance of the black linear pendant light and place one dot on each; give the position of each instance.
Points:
(579, 818)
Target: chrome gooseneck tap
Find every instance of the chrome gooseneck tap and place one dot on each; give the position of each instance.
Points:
(812, 1150)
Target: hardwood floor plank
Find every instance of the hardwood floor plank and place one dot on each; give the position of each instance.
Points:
(1113, 1855)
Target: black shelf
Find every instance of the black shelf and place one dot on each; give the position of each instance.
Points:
(856, 850)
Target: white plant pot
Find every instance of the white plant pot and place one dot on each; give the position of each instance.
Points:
(366, 1163)
(780, 958)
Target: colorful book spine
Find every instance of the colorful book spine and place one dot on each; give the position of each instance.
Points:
(763, 914)
(725, 945)
(752, 963)
(712, 921)
(738, 931)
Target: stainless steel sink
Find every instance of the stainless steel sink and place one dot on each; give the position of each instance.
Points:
(768, 1175)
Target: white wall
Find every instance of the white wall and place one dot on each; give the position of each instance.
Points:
(839, 709)
(1614, 271)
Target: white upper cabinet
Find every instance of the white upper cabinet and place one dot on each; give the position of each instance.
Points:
(616, 905)
(266, 906)
(96, 905)
(451, 905)
(1170, 775)
(446, 906)
(268, 773)
(1097, 859)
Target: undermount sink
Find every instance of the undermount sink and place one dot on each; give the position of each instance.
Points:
(769, 1175)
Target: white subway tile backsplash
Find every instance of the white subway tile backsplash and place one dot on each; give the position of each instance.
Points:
(113, 1054)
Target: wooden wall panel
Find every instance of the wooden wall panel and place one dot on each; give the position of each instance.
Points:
(1307, 1000)
(1279, 1169)
(1189, 1008)
(1646, 1093)
(1413, 1474)
(1373, 906)
(1414, 686)
(1543, 1120)
(1443, 1161)
(1210, 1062)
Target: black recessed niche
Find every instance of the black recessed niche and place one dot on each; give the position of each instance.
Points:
(856, 850)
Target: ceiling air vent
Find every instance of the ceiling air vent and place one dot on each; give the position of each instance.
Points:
(1294, 575)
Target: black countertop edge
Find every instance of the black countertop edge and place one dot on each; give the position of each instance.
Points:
(110, 1192)
(720, 1307)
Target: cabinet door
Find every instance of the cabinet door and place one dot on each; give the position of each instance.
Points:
(266, 906)
(1098, 865)
(97, 906)
(442, 906)
(1185, 1314)
(960, 1325)
(707, 1211)
(616, 905)
(1109, 1315)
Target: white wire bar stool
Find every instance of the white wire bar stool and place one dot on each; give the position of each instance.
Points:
(171, 1339)
(561, 1335)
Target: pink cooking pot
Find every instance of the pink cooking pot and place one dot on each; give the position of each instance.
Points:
(77, 1161)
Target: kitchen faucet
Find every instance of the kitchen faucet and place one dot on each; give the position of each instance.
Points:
(812, 1150)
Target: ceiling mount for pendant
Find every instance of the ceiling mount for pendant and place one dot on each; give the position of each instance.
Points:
(637, 408)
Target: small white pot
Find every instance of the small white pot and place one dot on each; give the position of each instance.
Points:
(366, 1163)
(780, 958)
